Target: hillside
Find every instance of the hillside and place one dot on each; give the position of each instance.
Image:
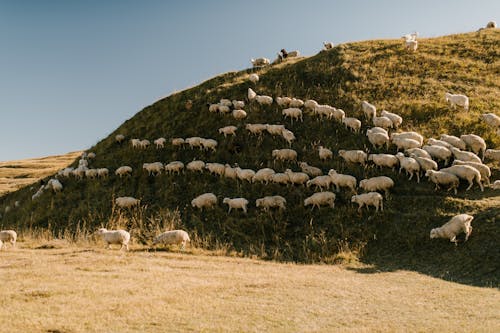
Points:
(382, 72)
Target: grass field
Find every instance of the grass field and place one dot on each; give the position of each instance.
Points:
(61, 287)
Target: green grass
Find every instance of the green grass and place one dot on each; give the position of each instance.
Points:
(382, 72)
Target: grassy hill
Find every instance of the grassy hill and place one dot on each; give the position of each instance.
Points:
(412, 85)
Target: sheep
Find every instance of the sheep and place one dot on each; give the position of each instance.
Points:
(491, 119)
(213, 108)
(483, 169)
(396, 119)
(435, 142)
(341, 180)
(177, 142)
(380, 183)
(408, 135)
(80, 172)
(263, 175)
(91, 173)
(251, 94)
(143, 144)
(324, 153)
(264, 100)
(223, 109)
(492, 154)
(378, 139)
(153, 169)
(102, 173)
(466, 172)
(38, 193)
(205, 200)
(321, 182)
(310, 170)
(225, 102)
(280, 178)
(245, 174)
(354, 156)
(369, 110)
(136, 143)
(310, 104)
(193, 142)
(260, 62)
(418, 152)
(369, 199)
(174, 167)
(256, 129)
(176, 237)
(475, 143)
(491, 25)
(425, 163)
(456, 225)
(8, 236)
(121, 237)
(384, 160)
(230, 172)
(293, 113)
(411, 45)
(123, 171)
(283, 101)
(410, 165)
(275, 130)
(238, 104)
(327, 45)
(66, 172)
(284, 154)
(443, 178)
(296, 103)
(91, 155)
(209, 144)
(160, 143)
(337, 114)
(454, 100)
(454, 141)
(196, 166)
(228, 130)
(297, 178)
(254, 78)
(465, 155)
(438, 152)
(323, 110)
(376, 129)
(127, 202)
(239, 114)
(119, 138)
(236, 203)
(384, 122)
(352, 124)
(275, 201)
(291, 54)
(55, 185)
(496, 185)
(288, 136)
(320, 198)
(215, 168)
(405, 143)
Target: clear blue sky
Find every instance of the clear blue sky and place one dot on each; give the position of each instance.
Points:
(72, 71)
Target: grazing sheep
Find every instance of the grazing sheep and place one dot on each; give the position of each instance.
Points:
(225, 102)
(8, 236)
(380, 183)
(174, 167)
(411, 45)
(215, 168)
(491, 25)
(323, 110)
(297, 178)
(496, 185)
(264, 100)
(443, 178)
(312, 171)
(288, 136)
(296, 103)
(419, 152)
(275, 130)
(434, 142)
(465, 155)
(337, 114)
(310, 104)
(378, 139)
(275, 201)
(491, 119)
(160, 143)
(175, 237)
(454, 100)
(425, 163)
(236, 203)
(102, 173)
(254, 78)
(410, 165)
(405, 143)
(263, 175)
(230, 172)
(454, 141)
(213, 108)
(283, 101)
(193, 142)
(260, 62)
(284, 154)
(228, 130)
(256, 129)
(143, 144)
(353, 124)
(438, 152)
(123, 171)
(354, 156)
(327, 45)
(466, 172)
(369, 110)
(251, 94)
(384, 160)
(209, 144)
(178, 142)
(205, 200)
(196, 165)
(55, 185)
(239, 114)
(121, 237)
(119, 138)
(376, 129)
(280, 178)
(320, 182)
(136, 143)
(369, 199)
(456, 225)
(382, 121)
(396, 119)
(292, 113)
(245, 174)
(475, 143)
(127, 202)
(324, 153)
(320, 198)
(492, 154)
(341, 180)
(153, 168)
(483, 169)
(238, 104)
(408, 135)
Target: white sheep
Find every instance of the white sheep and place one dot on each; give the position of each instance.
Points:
(256, 129)
(160, 143)
(225, 102)
(492, 154)
(175, 237)
(55, 185)
(80, 172)
(419, 152)
(454, 100)
(102, 173)
(263, 175)
(495, 185)
(443, 178)
(260, 62)
(283, 101)
(354, 156)
(223, 109)
(228, 130)
(236, 203)
(297, 178)
(491, 25)
(378, 139)
(251, 94)
(376, 129)
(396, 119)
(174, 167)
(324, 153)
(380, 183)
(136, 143)
(369, 110)
(245, 174)
(230, 172)
(337, 114)
(127, 202)
(178, 142)
(196, 166)
(239, 114)
(123, 171)
(425, 163)
(284, 154)
(119, 138)
(143, 144)
(369, 199)
(411, 45)
(465, 155)
(215, 168)
(280, 178)
(410, 165)
(353, 124)
(454, 141)
(456, 225)
(435, 142)
(153, 169)
(238, 104)
(438, 152)
(341, 180)
(405, 143)
(384, 160)
(382, 121)
(275, 130)
(91, 173)
(475, 143)
(292, 113)
(320, 199)
(296, 103)
(275, 201)
(121, 237)
(288, 136)
(491, 119)
(466, 172)
(409, 135)
(483, 169)
(194, 142)
(323, 110)
(208, 144)
(312, 171)
(254, 78)
(320, 182)
(205, 200)
(213, 108)
(8, 236)
(327, 45)
(310, 104)
(264, 100)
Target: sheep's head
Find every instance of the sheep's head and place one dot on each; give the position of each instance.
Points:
(226, 200)
(101, 231)
(354, 198)
(434, 233)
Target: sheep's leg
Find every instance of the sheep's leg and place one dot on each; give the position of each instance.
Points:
(470, 185)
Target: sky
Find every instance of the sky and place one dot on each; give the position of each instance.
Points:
(72, 71)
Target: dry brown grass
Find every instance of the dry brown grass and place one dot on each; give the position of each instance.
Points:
(61, 287)
(20, 173)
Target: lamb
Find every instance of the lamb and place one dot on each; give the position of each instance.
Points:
(174, 167)
(491, 119)
(153, 168)
(454, 100)
(378, 139)
(384, 160)
(465, 155)
(328, 45)
(102, 173)
(264, 100)
(438, 152)
(454, 141)
(228, 130)
(239, 114)
(209, 144)
(275, 201)
(297, 178)
(288, 136)
(176, 237)
(256, 129)
(121, 237)
(475, 143)
(408, 135)
(119, 138)
(369, 199)
(123, 171)
(127, 202)
(456, 225)
(178, 142)
(296, 103)
(251, 94)
(236, 203)
(196, 165)
(353, 124)
(384, 122)
(405, 143)
(284, 154)
(293, 113)
(354, 156)
(310, 170)
(160, 143)
(263, 175)
(492, 154)
(324, 153)
(483, 169)
(410, 165)
(8, 236)
(466, 172)
(321, 182)
(369, 110)
(239, 105)
(245, 174)
(443, 178)
(320, 198)
(215, 168)
(205, 200)
(341, 180)
(396, 119)
(260, 62)
(254, 78)
(380, 183)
